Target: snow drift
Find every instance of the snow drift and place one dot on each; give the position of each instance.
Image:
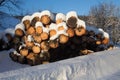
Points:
(103, 65)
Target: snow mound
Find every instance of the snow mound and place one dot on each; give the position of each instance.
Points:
(7, 64)
(97, 66)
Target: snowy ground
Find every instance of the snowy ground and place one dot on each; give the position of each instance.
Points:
(6, 64)
(103, 65)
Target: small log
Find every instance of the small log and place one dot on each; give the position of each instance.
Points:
(72, 22)
(19, 32)
(26, 24)
(36, 49)
(22, 59)
(44, 36)
(80, 31)
(44, 46)
(63, 39)
(105, 41)
(53, 44)
(52, 33)
(45, 19)
(31, 30)
(70, 32)
(37, 38)
(13, 56)
(39, 30)
(24, 52)
(34, 20)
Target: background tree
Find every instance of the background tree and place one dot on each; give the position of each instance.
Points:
(106, 16)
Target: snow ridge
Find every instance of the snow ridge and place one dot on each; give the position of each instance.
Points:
(95, 66)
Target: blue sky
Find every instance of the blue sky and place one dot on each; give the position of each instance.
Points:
(80, 6)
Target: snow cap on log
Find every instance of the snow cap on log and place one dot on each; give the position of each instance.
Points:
(37, 44)
(100, 30)
(54, 37)
(53, 26)
(21, 46)
(60, 16)
(20, 26)
(48, 13)
(30, 38)
(106, 35)
(10, 31)
(71, 14)
(81, 23)
(63, 24)
(27, 17)
(38, 24)
(62, 32)
(58, 34)
(36, 14)
(41, 25)
(45, 29)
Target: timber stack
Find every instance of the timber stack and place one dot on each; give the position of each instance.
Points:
(41, 38)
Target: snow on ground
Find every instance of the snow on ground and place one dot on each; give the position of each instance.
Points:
(6, 64)
(103, 65)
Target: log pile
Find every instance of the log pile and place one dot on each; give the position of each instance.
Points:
(40, 39)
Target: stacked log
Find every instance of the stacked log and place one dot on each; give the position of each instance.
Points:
(6, 39)
(40, 39)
